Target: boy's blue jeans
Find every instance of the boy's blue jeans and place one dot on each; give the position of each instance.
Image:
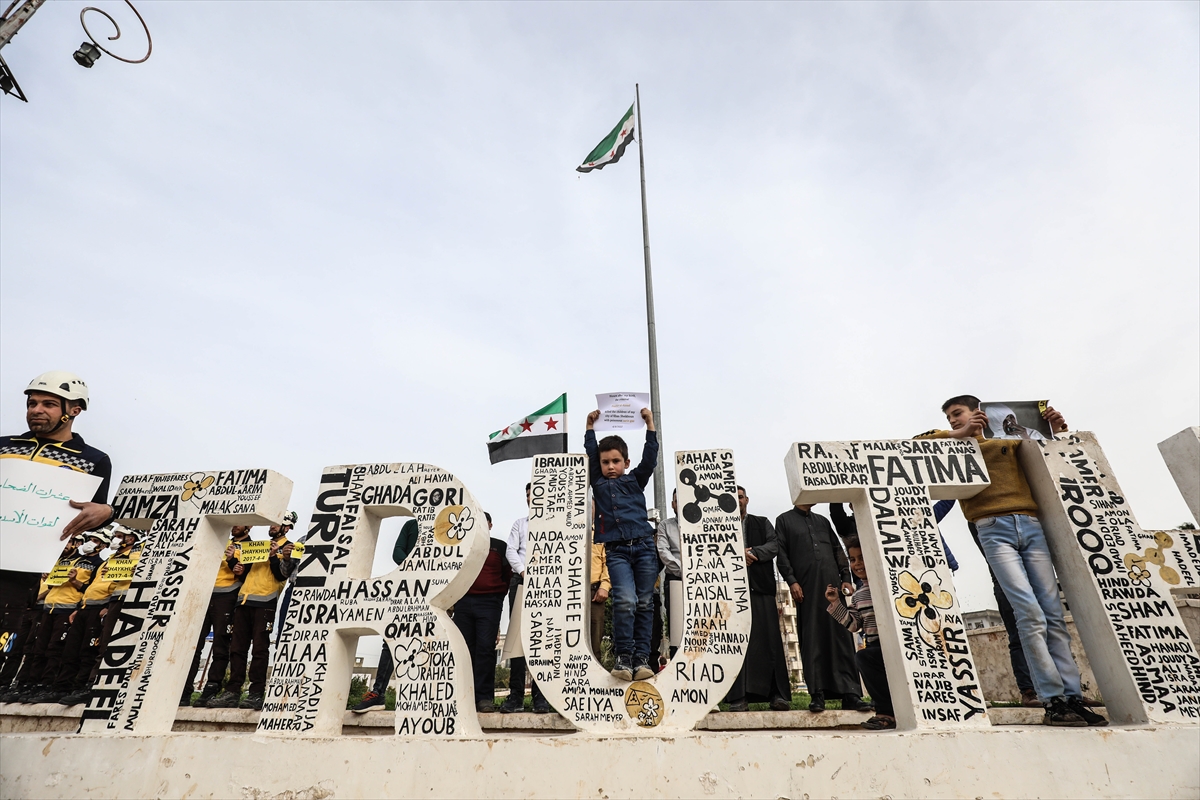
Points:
(1016, 549)
(633, 568)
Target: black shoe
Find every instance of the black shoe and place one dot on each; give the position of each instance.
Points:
(48, 696)
(623, 669)
(779, 704)
(1060, 714)
(818, 702)
(225, 699)
(29, 692)
(542, 707)
(1093, 719)
(369, 700)
(185, 699)
(253, 701)
(210, 691)
(739, 706)
(10, 695)
(642, 672)
(1029, 699)
(852, 702)
(511, 706)
(76, 697)
(484, 707)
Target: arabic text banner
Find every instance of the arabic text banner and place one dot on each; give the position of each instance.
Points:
(34, 511)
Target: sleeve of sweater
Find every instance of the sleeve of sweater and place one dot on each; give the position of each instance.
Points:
(593, 454)
(845, 616)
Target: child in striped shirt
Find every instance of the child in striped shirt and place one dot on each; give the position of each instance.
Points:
(860, 616)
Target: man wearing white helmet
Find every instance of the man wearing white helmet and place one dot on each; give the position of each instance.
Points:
(52, 402)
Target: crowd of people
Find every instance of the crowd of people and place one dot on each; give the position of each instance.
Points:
(56, 624)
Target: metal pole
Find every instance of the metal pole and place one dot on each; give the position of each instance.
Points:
(660, 487)
(10, 25)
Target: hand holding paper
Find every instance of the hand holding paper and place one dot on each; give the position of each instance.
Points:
(622, 411)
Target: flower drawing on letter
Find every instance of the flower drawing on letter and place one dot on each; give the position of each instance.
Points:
(197, 486)
(649, 713)
(410, 657)
(460, 524)
(922, 601)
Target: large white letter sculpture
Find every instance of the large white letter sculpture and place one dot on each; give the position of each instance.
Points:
(188, 515)
(1117, 583)
(336, 600)
(931, 674)
(554, 628)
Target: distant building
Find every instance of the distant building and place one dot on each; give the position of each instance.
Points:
(987, 618)
(787, 627)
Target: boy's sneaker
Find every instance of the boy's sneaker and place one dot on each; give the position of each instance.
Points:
(642, 672)
(623, 670)
(253, 701)
(1093, 719)
(225, 699)
(1060, 714)
(370, 700)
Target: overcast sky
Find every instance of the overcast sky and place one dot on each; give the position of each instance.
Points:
(310, 234)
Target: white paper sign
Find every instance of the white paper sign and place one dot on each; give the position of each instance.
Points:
(34, 511)
(621, 411)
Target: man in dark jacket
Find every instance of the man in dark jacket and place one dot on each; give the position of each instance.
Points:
(763, 677)
(477, 615)
(810, 559)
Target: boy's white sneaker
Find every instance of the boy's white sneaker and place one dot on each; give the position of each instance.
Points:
(643, 672)
(623, 670)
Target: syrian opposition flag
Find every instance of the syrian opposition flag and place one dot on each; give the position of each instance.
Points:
(612, 148)
(543, 431)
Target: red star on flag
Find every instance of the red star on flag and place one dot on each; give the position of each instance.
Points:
(526, 426)
(504, 432)
(551, 425)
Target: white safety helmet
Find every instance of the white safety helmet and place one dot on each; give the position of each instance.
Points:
(66, 385)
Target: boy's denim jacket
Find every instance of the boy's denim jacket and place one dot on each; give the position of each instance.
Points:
(621, 502)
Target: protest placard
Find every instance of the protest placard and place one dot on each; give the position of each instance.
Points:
(34, 510)
(1016, 419)
(621, 411)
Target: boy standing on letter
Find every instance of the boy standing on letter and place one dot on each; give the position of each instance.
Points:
(623, 527)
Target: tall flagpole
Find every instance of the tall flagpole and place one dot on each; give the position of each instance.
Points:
(660, 487)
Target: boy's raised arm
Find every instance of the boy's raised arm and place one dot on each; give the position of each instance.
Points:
(645, 469)
(589, 447)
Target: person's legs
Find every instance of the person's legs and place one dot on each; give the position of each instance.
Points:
(264, 622)
(624, 595)
(60, 627)
(736, 696)
(870, 667)
(1001, 544)
(221, 608)
(239, 648)
(20, 646)
(63, 680)
(35, 656)
(106, 632)
(466, 620)
(516, 666)
(383, 672)
(645, 573)
(483, 651)
(89, 652)
(597, 629)
(1035, 554)
(1016, 656)
(205, 626)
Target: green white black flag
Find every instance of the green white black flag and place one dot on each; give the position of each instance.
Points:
(544, 431)
(612, 148)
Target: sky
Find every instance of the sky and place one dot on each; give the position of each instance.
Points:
(295, 238)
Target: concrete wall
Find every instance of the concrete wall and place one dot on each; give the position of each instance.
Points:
(990, 648)
(1142, 762)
